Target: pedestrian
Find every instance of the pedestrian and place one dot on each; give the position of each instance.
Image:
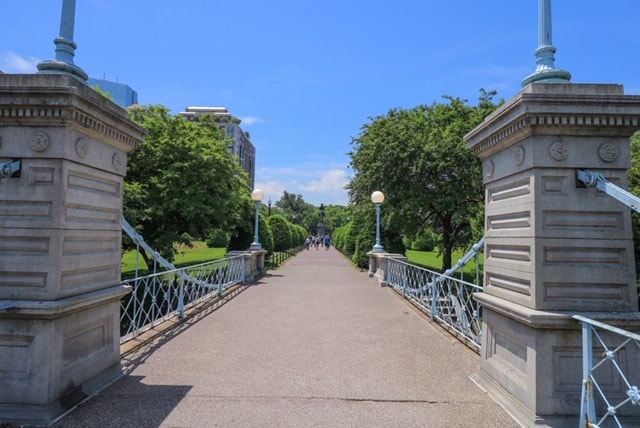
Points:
(307, 242)
(327, 242)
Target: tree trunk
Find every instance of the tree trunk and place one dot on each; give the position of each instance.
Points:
(447, 243)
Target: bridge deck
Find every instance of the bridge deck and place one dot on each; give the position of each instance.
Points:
(315, 343)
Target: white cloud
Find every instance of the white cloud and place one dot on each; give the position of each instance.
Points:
(330, 181)
(250, 120)
(10, 62)
(316, 186)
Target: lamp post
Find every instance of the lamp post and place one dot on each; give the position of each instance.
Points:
(65, 47)
(269, 203)
(256, 196)
(377, 198)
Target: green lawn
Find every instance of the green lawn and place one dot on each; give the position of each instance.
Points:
(433, 261)
(200, 253)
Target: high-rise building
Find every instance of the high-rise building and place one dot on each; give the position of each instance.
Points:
(241, 146)
(122, 94)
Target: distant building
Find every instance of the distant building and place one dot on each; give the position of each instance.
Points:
(122, 94)
(241, 147)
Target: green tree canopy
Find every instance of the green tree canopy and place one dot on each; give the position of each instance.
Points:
(634, 187)
(430, 179)
(296, 210)
(182, 181)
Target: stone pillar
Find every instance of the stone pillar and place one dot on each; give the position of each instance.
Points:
(254, 263)
(60, 243)
(379, 265)
(553, 247)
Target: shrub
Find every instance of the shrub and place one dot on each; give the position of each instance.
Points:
(218, 238)
(281, 232)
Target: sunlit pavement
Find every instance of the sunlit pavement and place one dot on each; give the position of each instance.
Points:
(316, 343)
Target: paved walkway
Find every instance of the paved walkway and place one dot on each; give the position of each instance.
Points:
(315, 343)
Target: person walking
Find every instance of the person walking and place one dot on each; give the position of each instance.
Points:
(327, 242)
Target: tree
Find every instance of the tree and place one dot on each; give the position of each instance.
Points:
(430, 179)
(182, 182)
(634, 187)
(297, 211)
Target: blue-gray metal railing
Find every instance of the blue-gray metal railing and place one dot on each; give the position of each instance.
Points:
(473, 253)
(597, 369)
(159, 297)
(7, 169)
(597, 180)
(140, 242)
(447, 300)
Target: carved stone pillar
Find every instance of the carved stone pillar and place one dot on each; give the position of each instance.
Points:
(553, 247)
(60, 243)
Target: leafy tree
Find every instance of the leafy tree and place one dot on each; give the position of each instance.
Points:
(335, 217)
(243, 234)
(182, 181)
(634, 187)
(430, 179)
(297, 211)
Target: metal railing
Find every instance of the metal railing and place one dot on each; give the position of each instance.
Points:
(602, 370)
(446, 299)
(159, 297)
(276, 258)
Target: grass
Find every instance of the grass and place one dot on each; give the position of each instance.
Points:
(433, 261)
(186, 256)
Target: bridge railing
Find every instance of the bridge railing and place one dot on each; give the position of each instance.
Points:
(447, 300)
(277, 258)
(604, 369)
(162, 296)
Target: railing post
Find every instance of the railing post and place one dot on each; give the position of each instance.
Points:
(587, 404)
(244, 271)
(434, 293)
(181, 299)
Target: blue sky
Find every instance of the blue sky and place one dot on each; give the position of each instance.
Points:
(305, 75)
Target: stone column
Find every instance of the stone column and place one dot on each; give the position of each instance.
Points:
(60, 243)
(379, 265)
(553, 247)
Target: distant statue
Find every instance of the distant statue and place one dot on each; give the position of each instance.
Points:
(321, 212)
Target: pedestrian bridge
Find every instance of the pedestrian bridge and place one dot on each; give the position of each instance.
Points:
(315, 343)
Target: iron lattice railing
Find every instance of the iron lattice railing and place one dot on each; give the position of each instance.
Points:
(161, 296)
(606, 386)
(447, 300)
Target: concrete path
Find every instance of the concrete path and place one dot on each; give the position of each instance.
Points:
(316, 343)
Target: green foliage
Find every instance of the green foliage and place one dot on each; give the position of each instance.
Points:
(185, 256)
(282, 238)
(335, 216)
(265, 234)
(105, 94)
(218, 238)
(364, 226)
(424, 241)
(432, 260)
(297, 211)
(182, 180)
(344, 239)
(634, 187)
(299, 234)
(430, 179)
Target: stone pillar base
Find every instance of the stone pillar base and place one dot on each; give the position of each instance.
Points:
(531, 362)
(57, 353)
